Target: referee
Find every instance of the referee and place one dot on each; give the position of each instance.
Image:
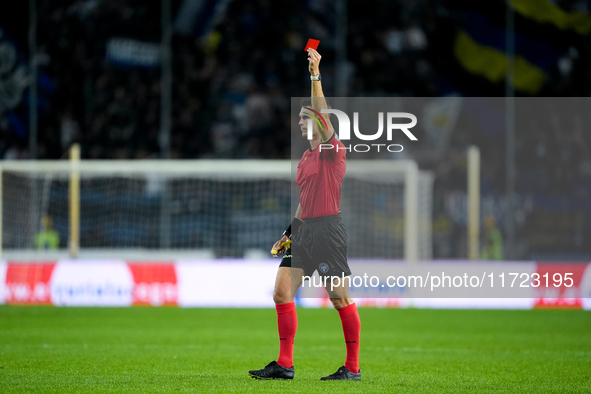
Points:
(319, 239)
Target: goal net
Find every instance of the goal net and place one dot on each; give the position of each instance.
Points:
(205, 208)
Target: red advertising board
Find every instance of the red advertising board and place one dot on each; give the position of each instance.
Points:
(560, 285)
(28, 283)
(222, 283)
(154, 284)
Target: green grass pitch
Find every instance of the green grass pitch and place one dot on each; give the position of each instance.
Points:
(121, 350)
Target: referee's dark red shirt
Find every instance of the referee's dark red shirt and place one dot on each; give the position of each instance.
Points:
(320, 177)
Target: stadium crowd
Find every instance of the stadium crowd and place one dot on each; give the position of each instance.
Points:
(230, 97)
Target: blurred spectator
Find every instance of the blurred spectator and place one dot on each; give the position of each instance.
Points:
(47, 238)
(492, 246)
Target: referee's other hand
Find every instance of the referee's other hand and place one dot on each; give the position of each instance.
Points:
(277, 247)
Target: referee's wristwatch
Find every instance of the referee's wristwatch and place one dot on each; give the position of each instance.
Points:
(315, 77)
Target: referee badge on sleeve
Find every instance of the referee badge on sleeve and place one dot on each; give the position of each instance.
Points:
(323, 268)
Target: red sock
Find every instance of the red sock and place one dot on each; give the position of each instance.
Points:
(351, 328)
(287, 323)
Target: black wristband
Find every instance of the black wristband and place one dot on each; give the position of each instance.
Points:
(296, 224)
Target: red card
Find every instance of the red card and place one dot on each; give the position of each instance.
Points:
(312, 43)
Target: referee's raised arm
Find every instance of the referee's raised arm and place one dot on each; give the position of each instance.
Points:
(318, 100)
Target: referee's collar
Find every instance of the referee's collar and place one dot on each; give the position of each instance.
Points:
(334, 134)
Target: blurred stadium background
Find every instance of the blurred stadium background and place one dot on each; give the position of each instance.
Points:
(179, 111)
(212, 80)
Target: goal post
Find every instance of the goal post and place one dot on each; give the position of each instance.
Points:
(473, 202)
(74, 202)
(167, 209)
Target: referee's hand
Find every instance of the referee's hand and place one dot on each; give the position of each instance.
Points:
(277, 249)
(314, 62)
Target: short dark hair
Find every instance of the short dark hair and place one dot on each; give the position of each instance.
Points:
(307, 102)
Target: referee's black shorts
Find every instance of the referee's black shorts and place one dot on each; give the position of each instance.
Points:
(320, 244)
